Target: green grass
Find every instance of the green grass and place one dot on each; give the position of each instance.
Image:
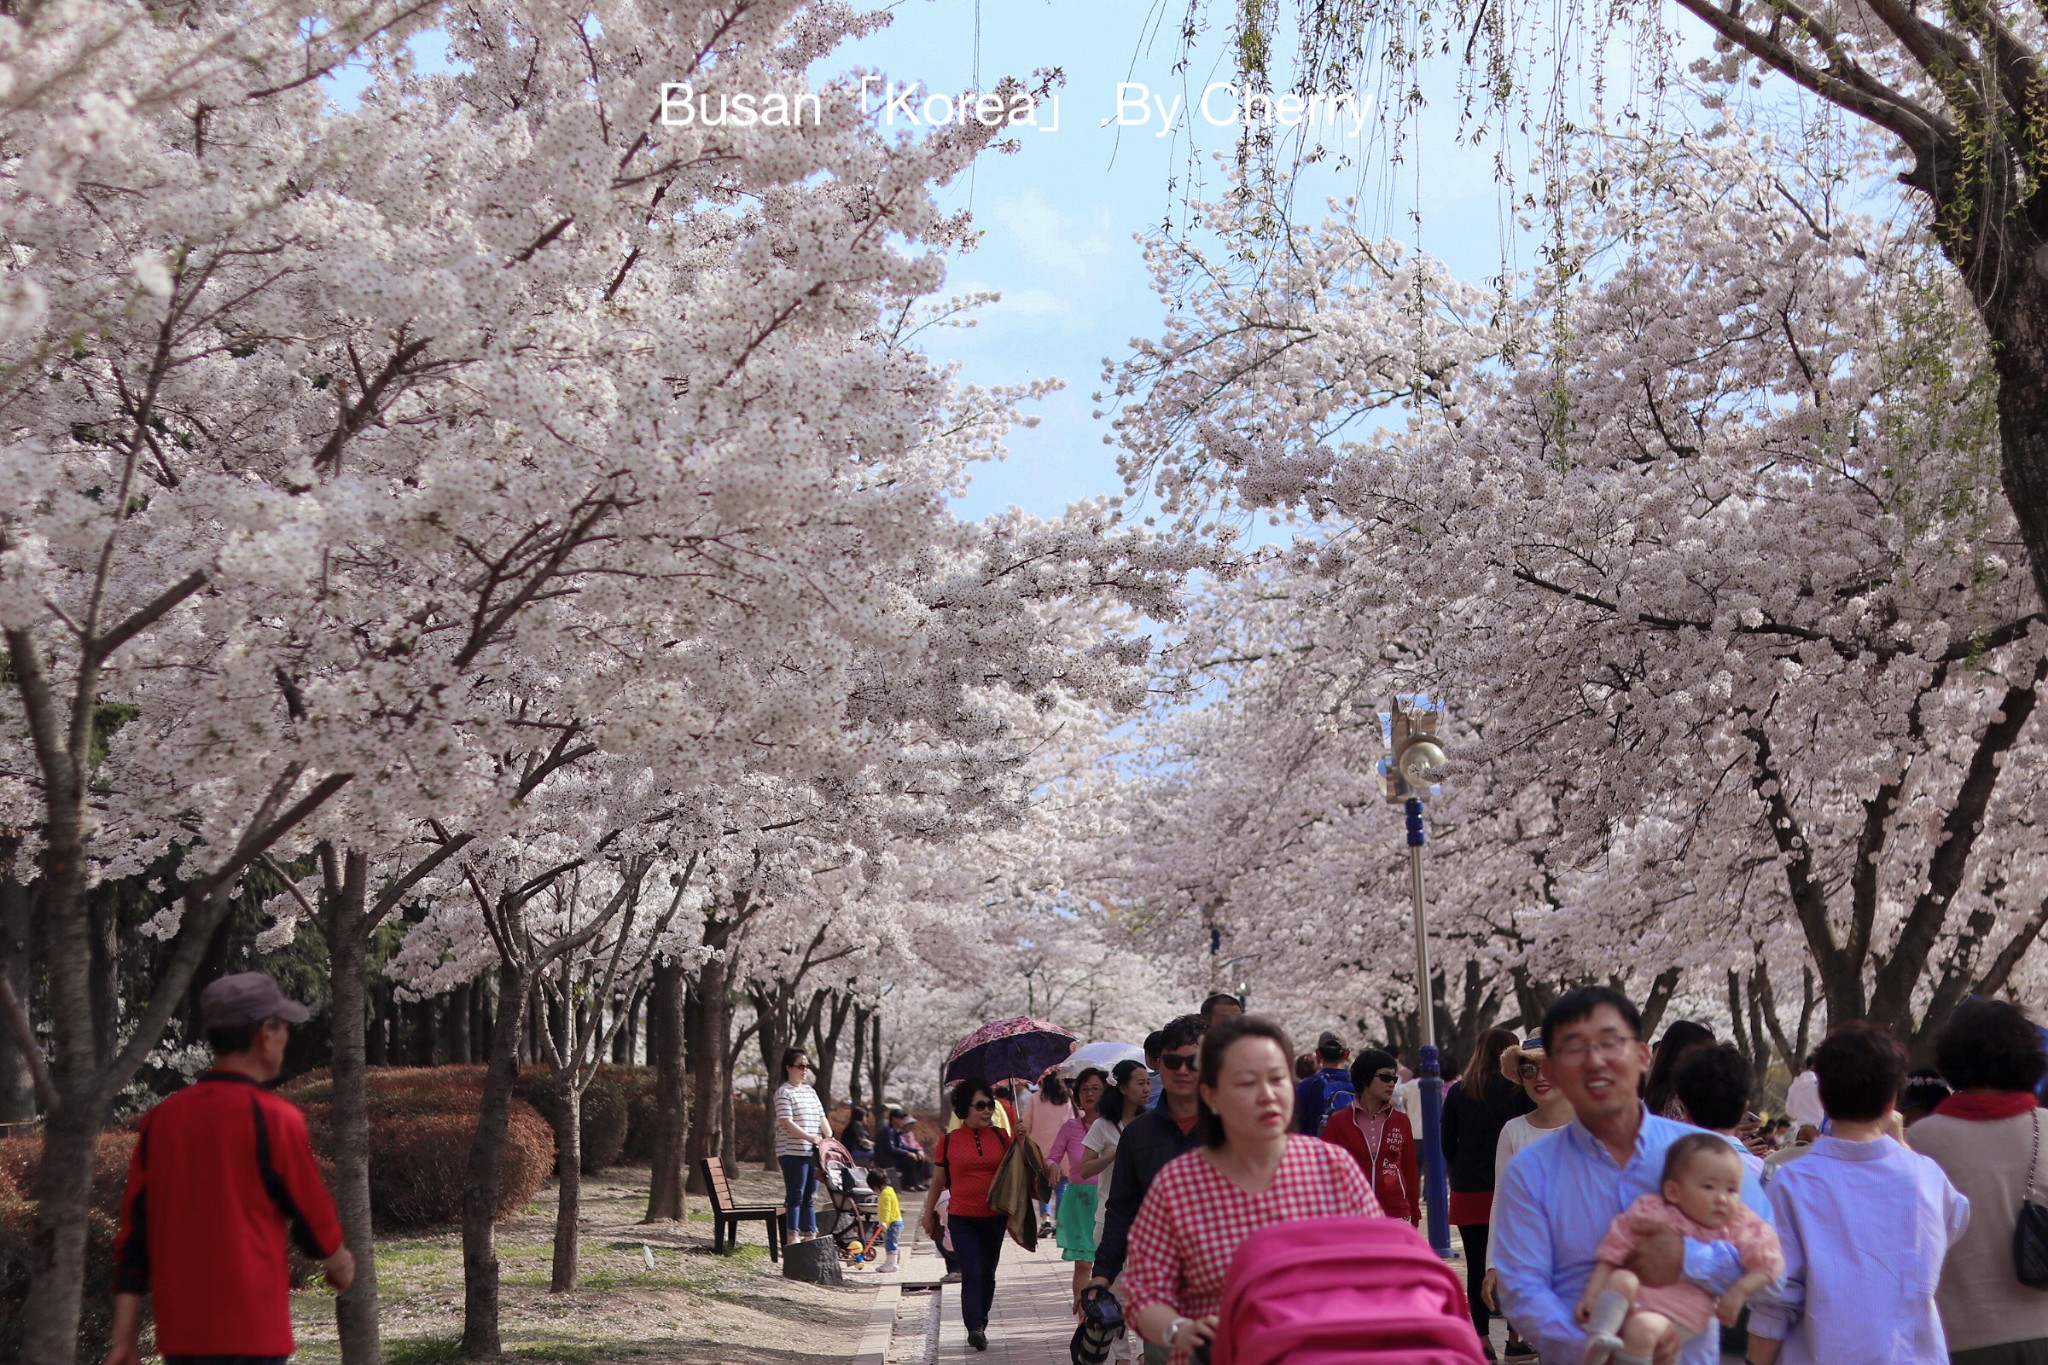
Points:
(421, 1281)
(416, 1255)
(423, 1351)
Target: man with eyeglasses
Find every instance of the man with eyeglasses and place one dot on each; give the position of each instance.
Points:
(1557, 1196)
(1154, 1138)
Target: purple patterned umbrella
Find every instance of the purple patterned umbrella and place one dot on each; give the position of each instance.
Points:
(1006, 1048)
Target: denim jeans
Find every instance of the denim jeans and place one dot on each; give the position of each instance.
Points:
(799, 1183)
(889, 1237)
(978, 1242)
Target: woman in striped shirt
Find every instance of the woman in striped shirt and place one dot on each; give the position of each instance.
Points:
(799, 1127)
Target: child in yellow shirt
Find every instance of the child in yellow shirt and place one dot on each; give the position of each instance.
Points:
(889, 1213)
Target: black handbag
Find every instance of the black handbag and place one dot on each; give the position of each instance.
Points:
(2030, 1229)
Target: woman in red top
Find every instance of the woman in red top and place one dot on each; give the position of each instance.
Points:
(1375, 1131)
(964, 1164)
(1248, 1173)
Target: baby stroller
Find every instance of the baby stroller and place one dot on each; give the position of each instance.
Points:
(852, 1215)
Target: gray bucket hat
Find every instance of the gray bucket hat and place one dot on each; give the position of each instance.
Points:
(247, 998)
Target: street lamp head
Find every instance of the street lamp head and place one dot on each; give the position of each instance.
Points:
(1416, 758)
(1421, 760)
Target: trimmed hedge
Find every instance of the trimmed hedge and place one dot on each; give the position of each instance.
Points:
(751, 1139)
(422, 1120)
(642, 1122)
(602, 1119)
(20, 1159)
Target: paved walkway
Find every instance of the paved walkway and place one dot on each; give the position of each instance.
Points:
(1031, 1321)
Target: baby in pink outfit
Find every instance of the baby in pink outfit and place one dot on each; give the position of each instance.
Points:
(1625, 1319)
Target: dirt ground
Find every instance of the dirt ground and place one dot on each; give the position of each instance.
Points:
(693, 1308)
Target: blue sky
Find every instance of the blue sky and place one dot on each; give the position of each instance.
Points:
(1059, 217)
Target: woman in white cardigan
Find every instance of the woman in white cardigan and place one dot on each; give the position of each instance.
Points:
(1984, 1137)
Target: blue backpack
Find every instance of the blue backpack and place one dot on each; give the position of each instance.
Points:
(1337, 1097)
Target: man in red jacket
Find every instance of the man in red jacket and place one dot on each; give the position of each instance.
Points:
(222, 1175)
(1375, 1131)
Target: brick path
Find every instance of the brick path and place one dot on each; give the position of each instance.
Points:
(1030, 1323)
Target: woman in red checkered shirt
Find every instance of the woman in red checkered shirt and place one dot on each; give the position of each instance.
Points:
(1248, 1172)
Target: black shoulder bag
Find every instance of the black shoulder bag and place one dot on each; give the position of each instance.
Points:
(2030, 1229)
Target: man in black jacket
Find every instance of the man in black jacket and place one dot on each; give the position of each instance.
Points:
(892, 1151)
(1154, 1138)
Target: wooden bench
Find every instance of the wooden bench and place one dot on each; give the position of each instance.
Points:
(727, 1214)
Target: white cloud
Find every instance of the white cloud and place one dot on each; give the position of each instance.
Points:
(1078, 244)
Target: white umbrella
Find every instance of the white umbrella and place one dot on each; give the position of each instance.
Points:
(1102, 1056)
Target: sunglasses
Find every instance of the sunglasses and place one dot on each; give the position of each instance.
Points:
(983, 1104)
(1390, 1077)
(1179, 1061)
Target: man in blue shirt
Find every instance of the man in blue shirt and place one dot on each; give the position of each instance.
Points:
(1557, 1196)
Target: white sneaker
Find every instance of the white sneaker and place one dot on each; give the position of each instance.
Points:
(1600, 1348)
(888, 1265)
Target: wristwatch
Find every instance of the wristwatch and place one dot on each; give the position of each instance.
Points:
(1173, 1332)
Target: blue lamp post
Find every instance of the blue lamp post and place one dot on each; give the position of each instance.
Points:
(1407, 779)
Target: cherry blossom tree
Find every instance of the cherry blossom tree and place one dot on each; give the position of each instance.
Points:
(1954, 100)
(1577, 515)
(434, 449)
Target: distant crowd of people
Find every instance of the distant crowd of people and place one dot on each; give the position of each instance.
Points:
(1623, 1195)
(1613, 1202)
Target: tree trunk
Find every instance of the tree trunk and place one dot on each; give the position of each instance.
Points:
(729, 1121)
(772, 1034)
(426, 1032)
(569, 1165)
(63, 1197)
(707, 1038)
(626, 1044)
(375, 1038)
(828, 1043)
(855, 1072)
(671, 1090)
(1760, 1064)
(104, 911)
(355, 1313)
(17, 1083)
(878, 1071)
(1662, 988)
(456, 1048)
(486, 1021)
(483, 1175)
(63, 1191)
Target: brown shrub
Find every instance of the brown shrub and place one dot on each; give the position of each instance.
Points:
(21, 1162)
(642, 1119)
(416, 1168)
(751, 1139)
(96, 1321)
(422, 1120)
(601, 1119)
